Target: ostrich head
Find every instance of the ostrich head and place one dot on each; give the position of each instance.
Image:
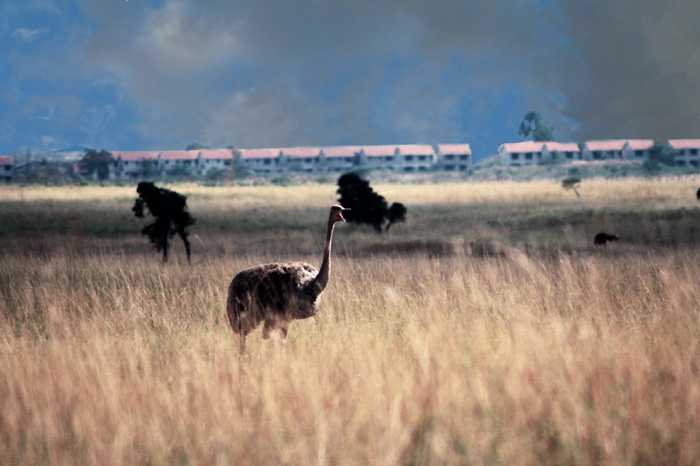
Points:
(337, 213)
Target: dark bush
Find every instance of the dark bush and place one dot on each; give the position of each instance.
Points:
(171, 217)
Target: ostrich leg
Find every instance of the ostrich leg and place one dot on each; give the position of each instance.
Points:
(277, 329)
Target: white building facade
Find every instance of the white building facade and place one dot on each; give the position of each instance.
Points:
(7, 168)
(538, 153)
(199, 162)
(687, 151)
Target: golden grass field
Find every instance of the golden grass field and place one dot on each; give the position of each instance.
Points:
(485, 330)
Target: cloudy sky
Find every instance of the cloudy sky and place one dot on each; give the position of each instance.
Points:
(148, 75)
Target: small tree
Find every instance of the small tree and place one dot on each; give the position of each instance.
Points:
(571, 183)
(96, 163)
(196, 145)
(533, 126)
(660, 155)
(366, 205)
(171, 217)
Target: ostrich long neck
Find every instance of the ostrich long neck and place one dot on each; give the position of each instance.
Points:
(319, 283)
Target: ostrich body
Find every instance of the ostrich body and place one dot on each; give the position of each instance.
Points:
(602, 239)
(278, 293)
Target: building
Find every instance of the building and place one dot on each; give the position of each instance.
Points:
(341, 158)
(405, 158)
(687, 151)
(454, 157)
(603, 150)
(138, 164)
(617, 149)
(412, 158)
(134, 164)
(261, 160)
(301, 159)
(538, 152)
(380, 156)
(7, 168)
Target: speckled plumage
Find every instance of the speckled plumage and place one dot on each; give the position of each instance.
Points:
(278, 293)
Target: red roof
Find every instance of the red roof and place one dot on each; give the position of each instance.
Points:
(378, 151)
(525, 146)
(640, 144)
(616, 144)
(210, 154)
(416, 149)
(301, 152)
(179, 154)
(259, 153)
(6, 160)
(684, 143)
(136, 156)
(341, 151)
(562, 146)
(454, 149)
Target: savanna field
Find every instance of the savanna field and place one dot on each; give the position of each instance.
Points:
(487, 329)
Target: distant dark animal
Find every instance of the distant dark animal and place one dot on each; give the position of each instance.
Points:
(602, 239)
(278, 293)
(171, 217)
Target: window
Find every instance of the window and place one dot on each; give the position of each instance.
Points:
(449, 167)
(693, 152)
(389, 158)
(408, 158)
(449, 157)
(569, 155)
(421, 158)
(409, 169)
(464, 157)
(596, 154)
(349, 159)
(266, 162)
(514, 156)
(462, 168)
(528, 155)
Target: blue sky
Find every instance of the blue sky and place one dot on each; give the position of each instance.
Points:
(149, 75)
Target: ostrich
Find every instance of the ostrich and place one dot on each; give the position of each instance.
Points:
(278, 293)
(602, 239)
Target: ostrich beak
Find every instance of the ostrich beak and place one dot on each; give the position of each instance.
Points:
(341, 214)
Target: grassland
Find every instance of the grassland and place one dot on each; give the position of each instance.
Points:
(485, 330)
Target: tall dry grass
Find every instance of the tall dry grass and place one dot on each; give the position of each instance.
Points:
(530, 357)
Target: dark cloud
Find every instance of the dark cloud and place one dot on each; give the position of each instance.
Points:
(311, 72)
(633, 70)
(270, 73)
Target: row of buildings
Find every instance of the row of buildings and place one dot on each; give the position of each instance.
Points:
(406, 158)
(533, 153)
